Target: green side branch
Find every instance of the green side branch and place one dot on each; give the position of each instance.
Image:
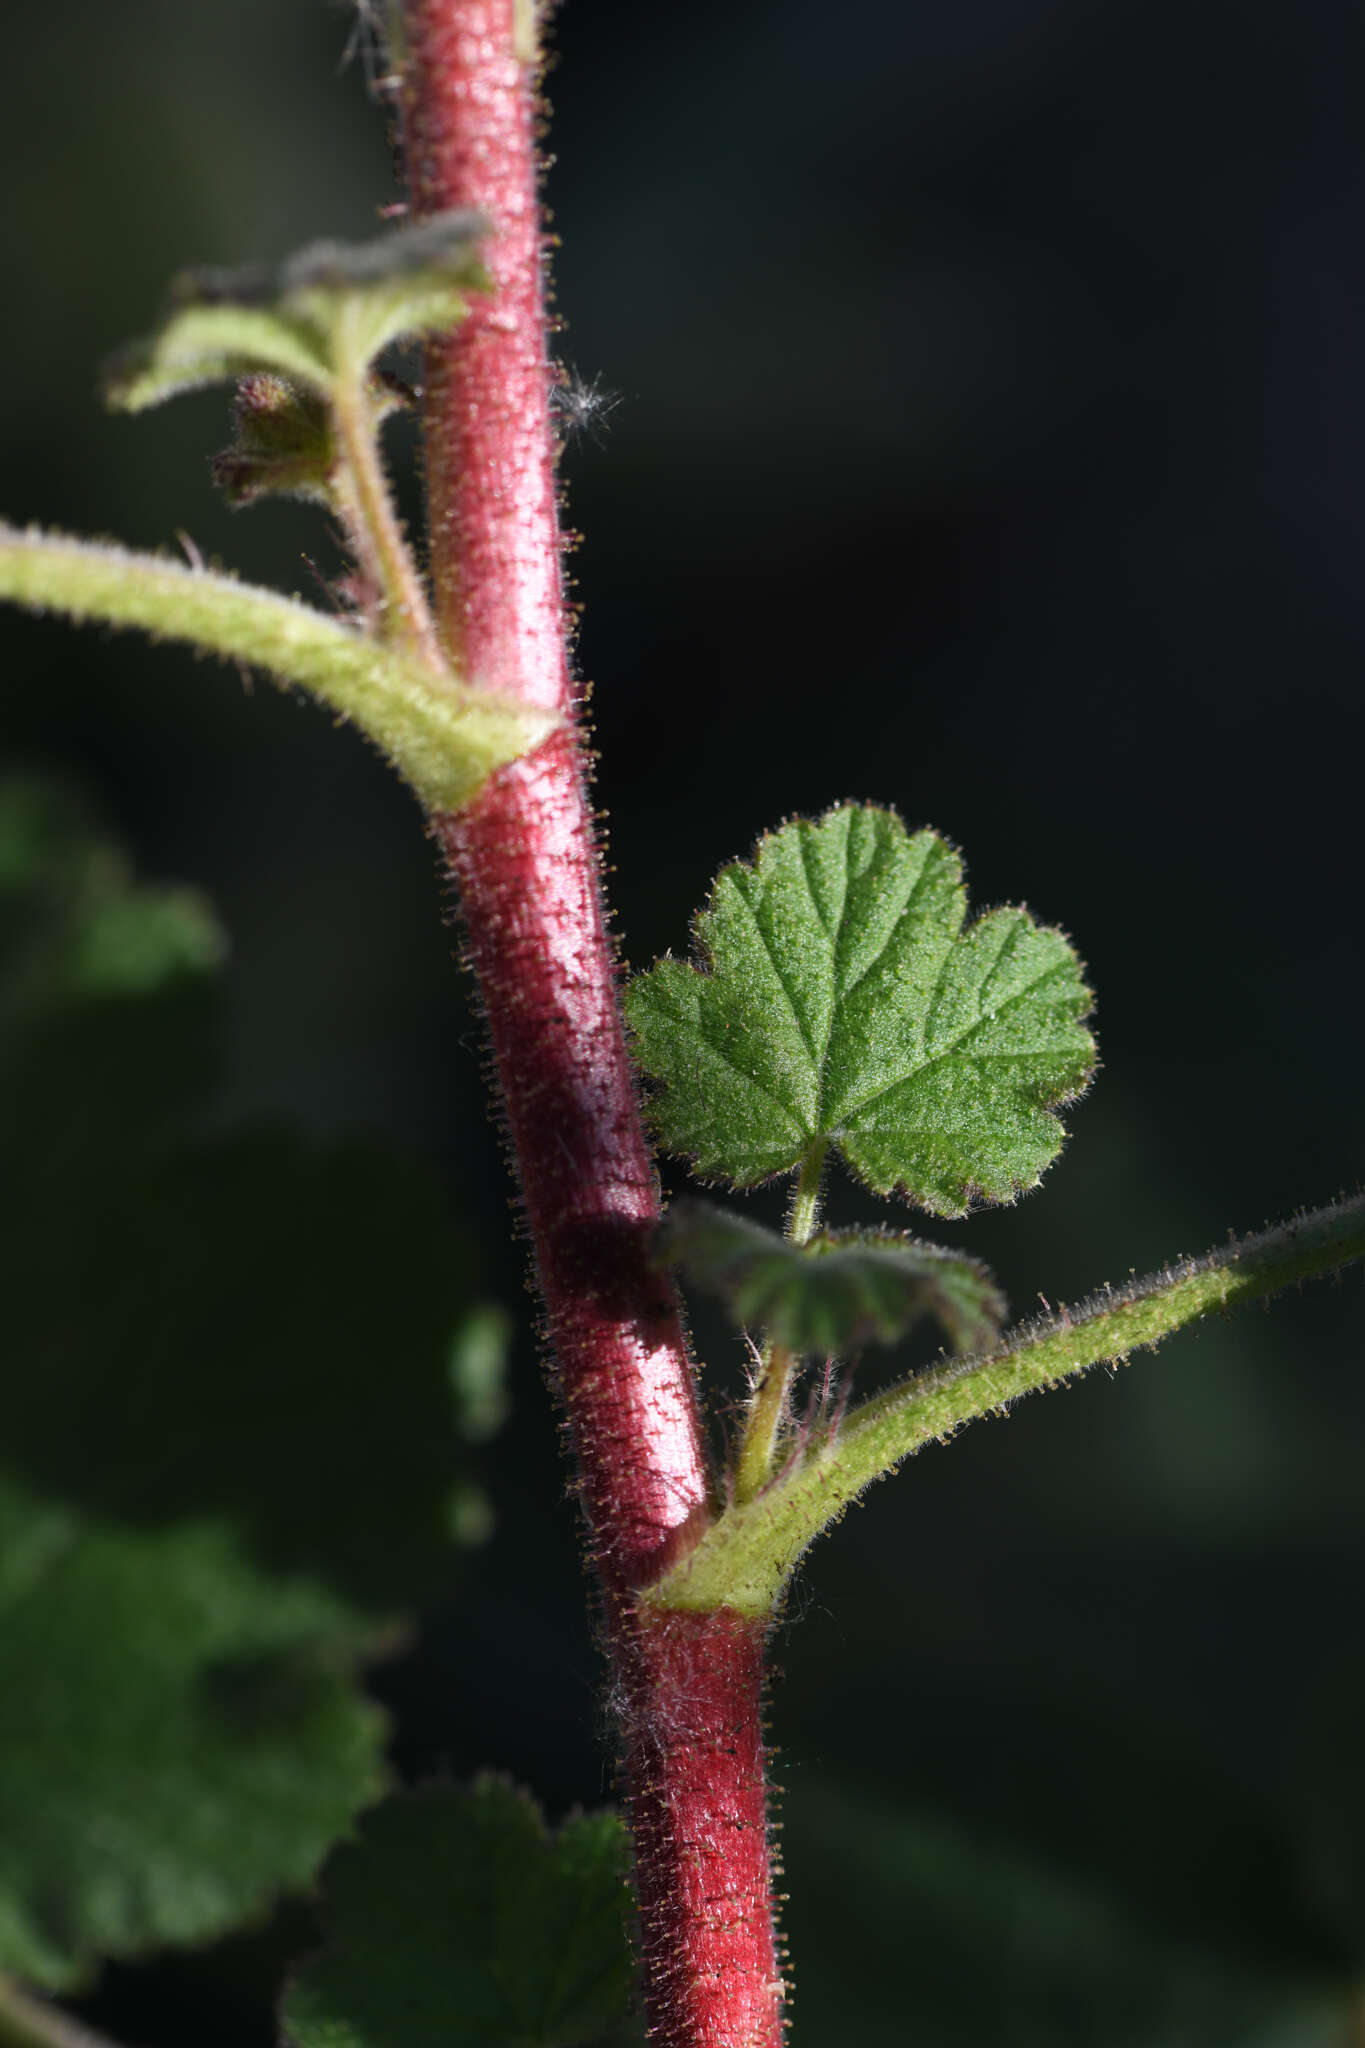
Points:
(763, 1424)
(746, 1558)
(768, 1402)
(444, 737)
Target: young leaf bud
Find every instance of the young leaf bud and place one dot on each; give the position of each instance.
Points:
(283, 444)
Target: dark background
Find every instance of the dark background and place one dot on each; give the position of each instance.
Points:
(990, 445)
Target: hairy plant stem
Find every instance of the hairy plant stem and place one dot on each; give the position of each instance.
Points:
(763, 1422)
(805, 1211)
(525, 861)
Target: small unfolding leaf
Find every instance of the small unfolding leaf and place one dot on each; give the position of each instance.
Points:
(181, 1738)
(458, 1918)
(836, 1000)
(325, 314)
(838, 1291)
(283, 445)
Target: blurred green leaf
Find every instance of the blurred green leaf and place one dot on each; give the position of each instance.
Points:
(180, 1737)
(838, 1291)
(255, 1329)
(220, 1356)
(836, 1000)
(211, 343)
(478, 1372)
(325, 314)
(1327, 1801)
(911, 1928)
(458, 1918)
(73, 929)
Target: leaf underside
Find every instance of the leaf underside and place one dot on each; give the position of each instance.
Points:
(841, 1290)
(457, 1918)
(326, 313)
(836, 999)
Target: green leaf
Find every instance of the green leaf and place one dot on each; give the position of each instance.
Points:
(838, 1291)
(200, 345)
(325, 314)
(180, 1738)
(282, 1335)
(836, 1000)
(457, 1918)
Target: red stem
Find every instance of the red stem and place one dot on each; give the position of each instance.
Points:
(525, 860)
(693, 1699)
(525, 863)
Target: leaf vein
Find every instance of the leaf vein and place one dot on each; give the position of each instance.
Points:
(936, 992)
(804, 851)
(1007, 950)
(899, 920)
(723, 1054)
(781, 980)
(946, 1051)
